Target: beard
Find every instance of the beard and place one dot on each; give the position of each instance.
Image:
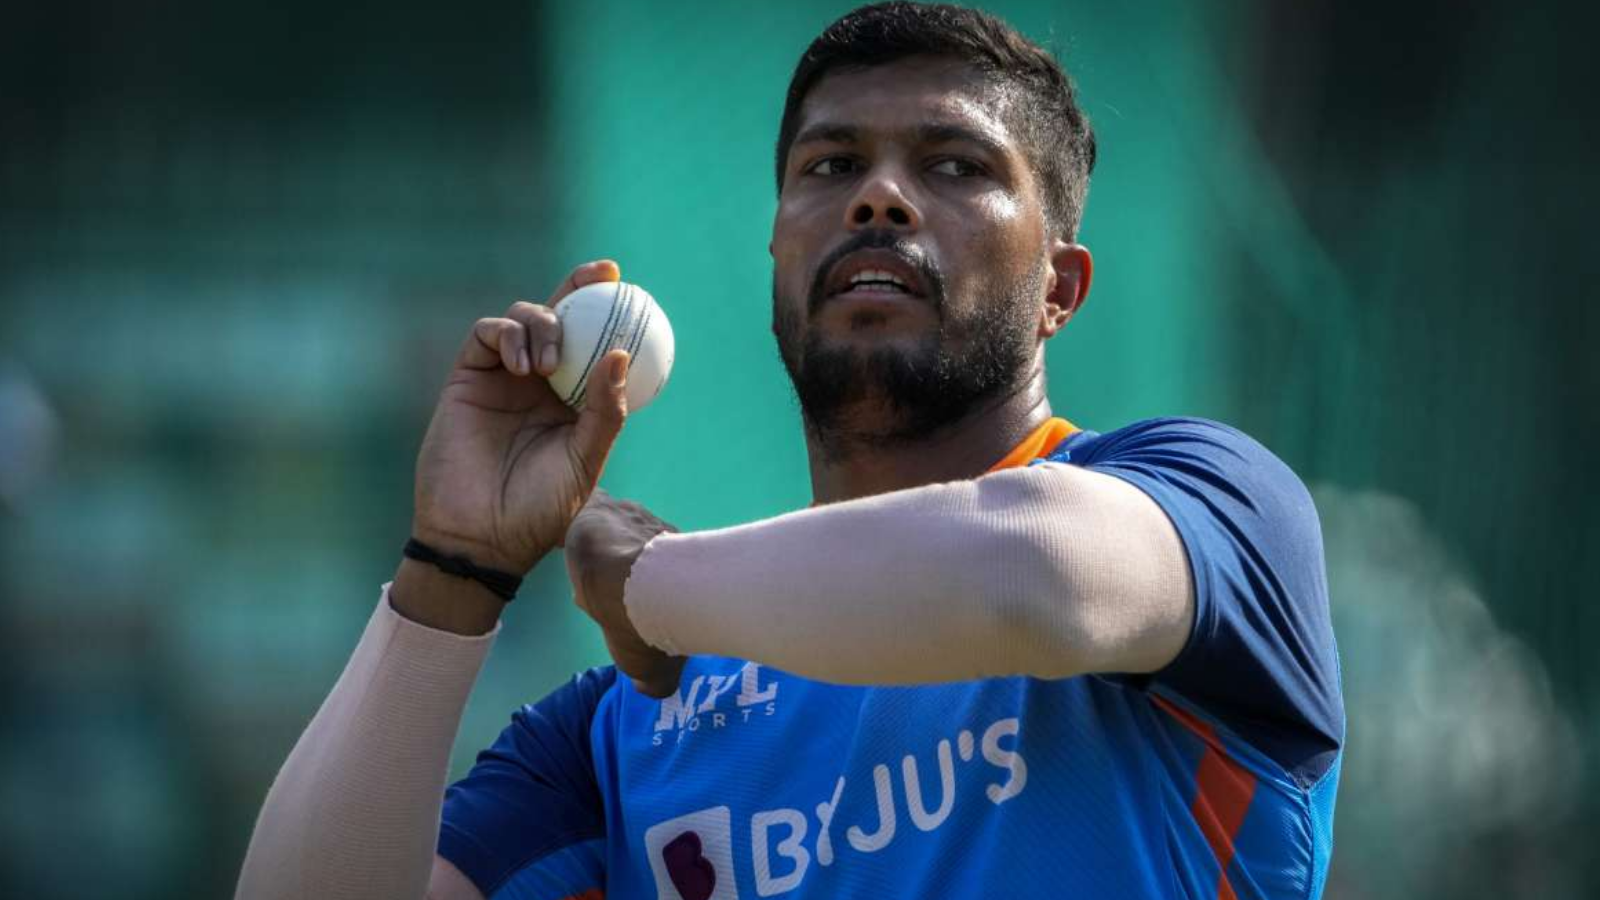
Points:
(896, 394)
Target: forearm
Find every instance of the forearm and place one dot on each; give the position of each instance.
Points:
(1049, 571)
(354, 812)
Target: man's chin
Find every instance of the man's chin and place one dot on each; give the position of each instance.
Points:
(884, 359)
(872, 341)
(864, 383)
(844, 319)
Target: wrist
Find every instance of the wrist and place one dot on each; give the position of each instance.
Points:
(427, 596)
(499, 582)
(642, 601)
(479, 552)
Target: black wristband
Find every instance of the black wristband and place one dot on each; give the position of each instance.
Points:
(502, 584)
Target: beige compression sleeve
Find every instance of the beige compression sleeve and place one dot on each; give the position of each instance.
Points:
(354, 813)
(1051, 570)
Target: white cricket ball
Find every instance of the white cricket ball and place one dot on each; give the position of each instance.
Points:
(598, 318)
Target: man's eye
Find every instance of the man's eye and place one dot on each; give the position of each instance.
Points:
(832, 165)
(961, 168)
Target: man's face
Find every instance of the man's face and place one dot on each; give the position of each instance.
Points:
(909, 248)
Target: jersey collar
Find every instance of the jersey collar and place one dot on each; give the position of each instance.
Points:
(1040, 443)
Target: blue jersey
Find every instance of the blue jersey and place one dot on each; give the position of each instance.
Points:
(1214, 777)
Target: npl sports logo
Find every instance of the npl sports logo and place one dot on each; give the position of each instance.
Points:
(692, 856)
(700, 704)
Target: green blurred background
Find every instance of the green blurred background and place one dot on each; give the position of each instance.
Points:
(240, 244)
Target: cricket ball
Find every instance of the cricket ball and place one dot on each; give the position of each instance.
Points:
(598, 318)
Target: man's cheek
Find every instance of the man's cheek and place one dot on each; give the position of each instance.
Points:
(999, 259)
(789, 266)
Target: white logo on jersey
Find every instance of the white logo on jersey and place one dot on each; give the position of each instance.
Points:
(779, 855)
(699, 704)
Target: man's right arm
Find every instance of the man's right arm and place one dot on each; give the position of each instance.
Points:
(356, 810)
(504, 467)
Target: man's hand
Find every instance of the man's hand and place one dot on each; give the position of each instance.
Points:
(505, 464)
(605, 539)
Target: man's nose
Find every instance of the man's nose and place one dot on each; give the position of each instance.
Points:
(881, 201)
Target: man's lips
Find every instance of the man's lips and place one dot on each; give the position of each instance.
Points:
(874, 275)
(883, 297)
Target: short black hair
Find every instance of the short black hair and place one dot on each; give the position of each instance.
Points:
(1055, 132)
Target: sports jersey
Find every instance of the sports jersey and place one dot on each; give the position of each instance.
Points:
(1214, 777)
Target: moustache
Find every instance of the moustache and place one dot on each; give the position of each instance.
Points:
(909, 253)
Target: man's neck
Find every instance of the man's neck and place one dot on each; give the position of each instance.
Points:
(848, 468)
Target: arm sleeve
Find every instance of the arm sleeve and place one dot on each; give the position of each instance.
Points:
(528, 820)
(1050, 571)
(1260, 657)
(353, 811)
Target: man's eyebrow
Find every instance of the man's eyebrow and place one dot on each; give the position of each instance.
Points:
(930, 133)
(832, 132)
(942, 133)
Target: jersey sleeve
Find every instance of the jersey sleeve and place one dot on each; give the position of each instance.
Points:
(528, 821)
(1261, 657)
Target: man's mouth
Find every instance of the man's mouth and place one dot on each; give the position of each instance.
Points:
(876, 281)
(875, 273)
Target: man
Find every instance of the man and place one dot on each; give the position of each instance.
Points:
(999, 656)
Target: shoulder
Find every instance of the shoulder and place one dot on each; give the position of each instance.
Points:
(533, 794)
(578, 697)
(562, 716)
(1174, 438)
(552, 736)
(1230, 498)
(1186, 457)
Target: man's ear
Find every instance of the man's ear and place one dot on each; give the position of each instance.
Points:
(1071, 270)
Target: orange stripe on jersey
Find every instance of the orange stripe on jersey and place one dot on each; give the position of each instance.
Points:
(1041, 442)
(1223, 791)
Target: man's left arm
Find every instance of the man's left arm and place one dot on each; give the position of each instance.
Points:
(1051, 571)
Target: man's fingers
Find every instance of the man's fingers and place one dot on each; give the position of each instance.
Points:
(588, 273)
(654, 673)
(605, 407)
(543, 334)
(528, 338)
(492, 344)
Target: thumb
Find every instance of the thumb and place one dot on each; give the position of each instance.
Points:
(605, 407)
